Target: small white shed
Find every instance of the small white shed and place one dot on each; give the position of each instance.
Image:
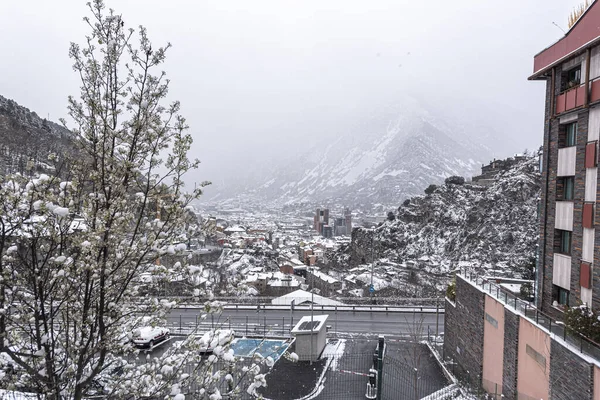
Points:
(311, 337)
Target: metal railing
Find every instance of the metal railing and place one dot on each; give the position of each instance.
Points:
(577, 342)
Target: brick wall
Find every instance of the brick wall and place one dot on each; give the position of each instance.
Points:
(577, 239)
(511, 351)
(463, 332)
(547, 206)
(570, 376)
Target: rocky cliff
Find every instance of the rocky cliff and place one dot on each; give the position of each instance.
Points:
(492, 229)
(26, 140)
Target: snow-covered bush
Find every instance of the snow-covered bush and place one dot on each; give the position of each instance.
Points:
(583, 320)
(451, 290)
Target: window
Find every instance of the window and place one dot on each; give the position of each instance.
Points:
(560, 295)
(571, 78)
(567, 135)
(570, 131)
(562, 242)
(565, 188)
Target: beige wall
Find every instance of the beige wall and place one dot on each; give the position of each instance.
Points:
(493, 346)
(532, 375)
(596, 383)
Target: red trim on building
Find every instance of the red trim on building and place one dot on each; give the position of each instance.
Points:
(585, 275)
(586, 30)
(588, 215)
(590, 155)
(595, 96)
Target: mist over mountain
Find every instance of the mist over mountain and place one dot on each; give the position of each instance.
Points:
(390, 154)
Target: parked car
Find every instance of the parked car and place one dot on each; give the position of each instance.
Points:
(214, 338)
(149, 336)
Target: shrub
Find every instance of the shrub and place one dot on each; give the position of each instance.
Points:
(391, 216)
(451, 290)
(583, 321)
(527, 290)
(430, 189)
(455, 180)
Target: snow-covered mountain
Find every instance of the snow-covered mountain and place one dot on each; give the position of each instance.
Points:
(25, 138)
(391, 155)
(489, 229)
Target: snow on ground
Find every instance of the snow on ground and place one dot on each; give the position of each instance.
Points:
(335, 351)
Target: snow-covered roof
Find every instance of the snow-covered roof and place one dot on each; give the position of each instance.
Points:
(310, 323)
(283, 283)
(302, 296)
(323, 276)
(512, 287)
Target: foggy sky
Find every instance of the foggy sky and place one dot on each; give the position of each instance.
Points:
(260, 80)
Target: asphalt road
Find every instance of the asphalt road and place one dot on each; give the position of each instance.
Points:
(352, 323)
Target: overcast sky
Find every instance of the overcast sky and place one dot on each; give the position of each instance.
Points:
(259, 79)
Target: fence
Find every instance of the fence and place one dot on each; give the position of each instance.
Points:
(578, 342)
(426, 302)
(335, 376)
(402, 381)
(259, 326)
(341, 372)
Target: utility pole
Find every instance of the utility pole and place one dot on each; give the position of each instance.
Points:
(312, 303)
(372, 265)
(437, 318)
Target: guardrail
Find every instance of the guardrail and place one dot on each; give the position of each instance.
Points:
(346, 301)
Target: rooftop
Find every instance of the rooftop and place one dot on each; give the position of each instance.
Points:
(310, 323)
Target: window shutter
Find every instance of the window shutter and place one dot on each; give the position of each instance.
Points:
(588, 215)
(590, 155)
(585, 275)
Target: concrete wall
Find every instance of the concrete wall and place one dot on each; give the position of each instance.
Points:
(534, 362)
(463, 331)
(493, 346)
(303, 344)
(571, 377)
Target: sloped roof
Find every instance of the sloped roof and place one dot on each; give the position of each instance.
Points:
(304, 297)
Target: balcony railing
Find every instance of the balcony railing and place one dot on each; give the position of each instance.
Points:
(577, 342)
(575, 97)
(570, 99)
(595, 90)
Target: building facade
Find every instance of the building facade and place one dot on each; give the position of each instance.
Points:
(569, 254)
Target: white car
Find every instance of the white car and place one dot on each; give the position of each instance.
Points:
(149, 336)
(214, 338)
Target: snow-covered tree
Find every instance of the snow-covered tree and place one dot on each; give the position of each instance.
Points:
(74, 245)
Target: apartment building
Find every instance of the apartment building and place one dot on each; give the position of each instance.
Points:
(569, 259)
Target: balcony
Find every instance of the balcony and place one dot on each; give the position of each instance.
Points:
(570, 99)
(595, 90)
(575, 97)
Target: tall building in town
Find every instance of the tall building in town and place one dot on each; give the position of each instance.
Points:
(348, 218)
(569, 253)
(321, 219)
